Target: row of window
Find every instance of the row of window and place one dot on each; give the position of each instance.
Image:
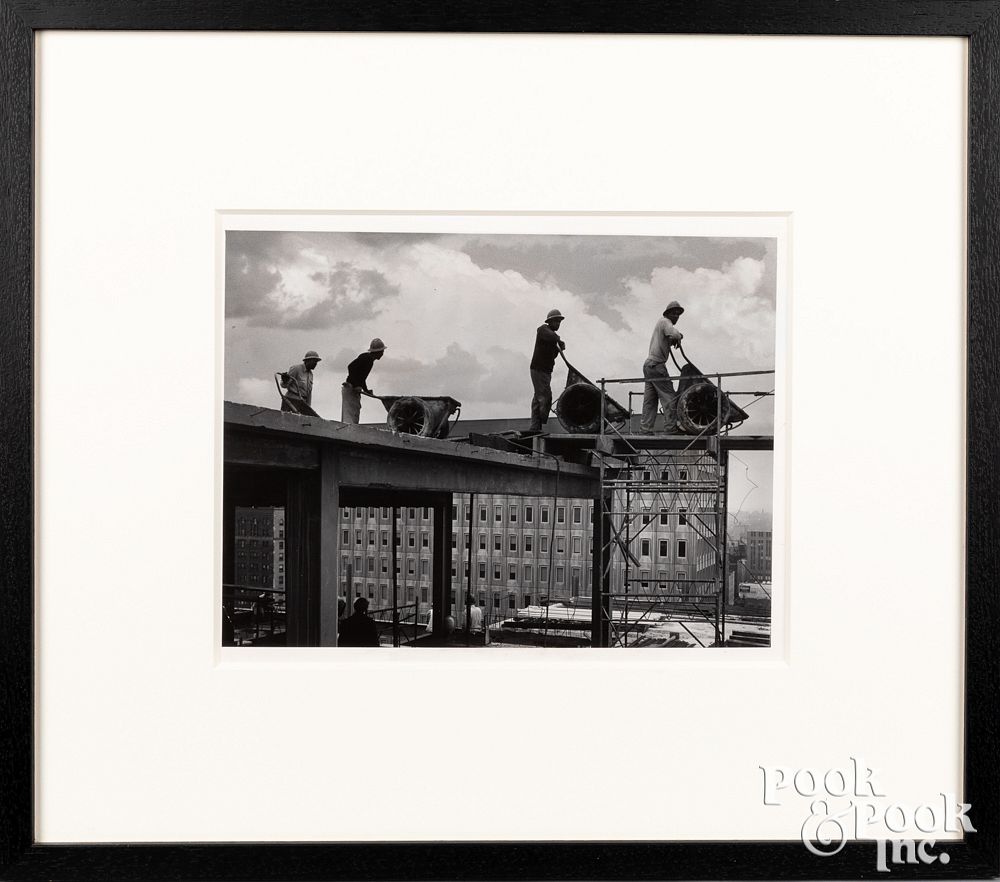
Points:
(411, 593)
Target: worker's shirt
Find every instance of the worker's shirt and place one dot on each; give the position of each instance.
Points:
(476, 618)
(546, 349)
(665, 335)
(300, 382)
(358, 371)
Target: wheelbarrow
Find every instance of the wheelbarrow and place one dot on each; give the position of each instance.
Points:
(291, 402)
(425, 416)
(698, 405)
(579, 406)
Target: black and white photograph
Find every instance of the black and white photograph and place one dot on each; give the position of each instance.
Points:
(498, 440)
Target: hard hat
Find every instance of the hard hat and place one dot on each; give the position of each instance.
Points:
(311, 354)
(377, 346)
(673, 304)
(554, 314)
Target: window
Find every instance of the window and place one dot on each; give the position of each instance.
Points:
(482, 542)
(682, 517)
(512, 514)
(498, 513)
(577, 514)
(482, 598)
(371, 537)
(497, 542)
(482, 513)
(371, 512)
(424, 539)
(527, 572)
(560, 574)
(545, 514)
(543, 574)
(681, 548)
(357, 537)
(576, 579)
(423, 568)
(560, 514)
(496, 572)
(545, 544)
(682, 474)
(527, 600)
(645, 520)
(646, 477)
(346, 512)
(644, 548)
(385, 538)
(468, 512)
(454, 540)
(454, 512)
(371, 565)
(385, 565)
(346, 537)
(385, 512)
(411, 513)
(399, 539)
(560, 545)
(411, 539)
(427, 512)
(410, 567)
(661, 575)
(423, 595)
(644, 578)
(528, 514)
(496, 600)
(357, 564)
(528, 542)
(681, 575)
(482, 569)
(664, 517)
(357, 513)
(512, 573)
(511, 601)
(513, 542)
(664, 548)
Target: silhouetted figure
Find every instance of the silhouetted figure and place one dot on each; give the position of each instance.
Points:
(359, 629)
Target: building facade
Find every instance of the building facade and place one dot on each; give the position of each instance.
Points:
(526, 550)
(759, 554)
(260, 548)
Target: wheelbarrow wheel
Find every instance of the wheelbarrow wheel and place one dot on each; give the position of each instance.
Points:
(698, 409)
(408, 416)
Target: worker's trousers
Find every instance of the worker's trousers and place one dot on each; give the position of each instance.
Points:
(541, 400)
(350, 408)
(660, 392)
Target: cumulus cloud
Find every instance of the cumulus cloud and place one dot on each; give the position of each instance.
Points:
(459, 314)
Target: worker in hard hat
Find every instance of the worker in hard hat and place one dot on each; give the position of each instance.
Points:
(548, 345)
(298, 380)
(660, 389)
(357, 381)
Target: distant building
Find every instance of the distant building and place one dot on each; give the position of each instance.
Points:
(759, 554)
(260, 548)
(529, 550)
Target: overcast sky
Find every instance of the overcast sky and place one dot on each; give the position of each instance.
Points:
(459, 312)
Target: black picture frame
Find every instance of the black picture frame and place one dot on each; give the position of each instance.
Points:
(978, 856)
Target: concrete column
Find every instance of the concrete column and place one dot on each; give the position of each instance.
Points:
(441, 591)
(329, 553)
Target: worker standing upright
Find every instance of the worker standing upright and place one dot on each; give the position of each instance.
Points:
(357, 381)
(660, 389)
(298, 380)
(543, 360)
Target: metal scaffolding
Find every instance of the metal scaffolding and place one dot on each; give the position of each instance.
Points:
(662, 480)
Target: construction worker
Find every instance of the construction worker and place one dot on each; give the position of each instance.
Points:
(357, 381)
(547, 346)
(661, 389)
(298, 380)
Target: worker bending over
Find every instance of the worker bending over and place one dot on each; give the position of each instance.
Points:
(547, 346)
(298, 380)
(661, 389)
(357, 381)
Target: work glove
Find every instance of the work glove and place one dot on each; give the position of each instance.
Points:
(284, 378)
